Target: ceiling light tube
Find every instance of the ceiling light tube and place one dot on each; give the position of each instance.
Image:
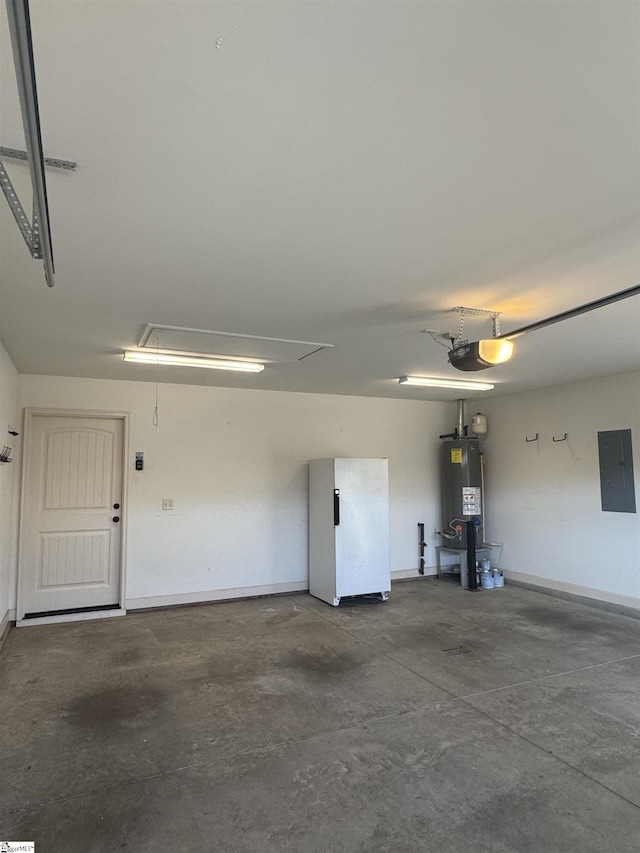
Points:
(193, 361)
(432, 382)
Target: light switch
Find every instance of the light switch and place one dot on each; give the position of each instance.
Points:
(167, 503)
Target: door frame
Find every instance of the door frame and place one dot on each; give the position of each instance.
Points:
(30, 413)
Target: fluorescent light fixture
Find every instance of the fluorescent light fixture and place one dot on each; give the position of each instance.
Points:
(432, 382)
(481, 354)
(193, 361)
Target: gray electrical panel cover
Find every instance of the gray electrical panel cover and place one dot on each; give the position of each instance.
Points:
(617, 487)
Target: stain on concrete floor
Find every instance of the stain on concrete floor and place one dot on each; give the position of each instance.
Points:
(104, 711)
(324, 663)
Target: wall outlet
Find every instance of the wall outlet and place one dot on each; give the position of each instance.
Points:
(167, 503)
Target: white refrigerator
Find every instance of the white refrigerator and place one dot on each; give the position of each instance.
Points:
(348, 528)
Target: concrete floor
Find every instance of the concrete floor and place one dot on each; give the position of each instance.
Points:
(440, 721)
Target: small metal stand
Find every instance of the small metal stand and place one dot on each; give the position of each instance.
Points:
(461, 554)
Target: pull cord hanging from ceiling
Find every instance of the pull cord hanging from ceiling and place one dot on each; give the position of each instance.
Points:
(156, 417)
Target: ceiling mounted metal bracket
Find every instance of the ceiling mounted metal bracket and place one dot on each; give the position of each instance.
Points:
(19, 214)
(22, 47)
(476, 312)
(54, 162)
(30, 231)
(494, 316)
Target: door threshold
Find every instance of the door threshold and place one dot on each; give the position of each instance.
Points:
(74, 616)
(65, 611)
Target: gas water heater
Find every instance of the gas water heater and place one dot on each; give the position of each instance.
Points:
(462, 481)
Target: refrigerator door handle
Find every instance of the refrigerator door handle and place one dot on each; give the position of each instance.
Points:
(336, 507)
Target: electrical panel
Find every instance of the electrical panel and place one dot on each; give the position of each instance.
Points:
(617, 487)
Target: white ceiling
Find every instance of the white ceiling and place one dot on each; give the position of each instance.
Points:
(331, 171)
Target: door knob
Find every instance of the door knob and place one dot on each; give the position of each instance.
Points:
(116, 506)
(116, 518)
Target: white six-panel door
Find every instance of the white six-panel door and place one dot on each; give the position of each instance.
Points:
(70, 554)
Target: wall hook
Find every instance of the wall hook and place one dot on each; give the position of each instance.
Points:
(531, 439)
(5, 455)
(13, 432)
(564, 438)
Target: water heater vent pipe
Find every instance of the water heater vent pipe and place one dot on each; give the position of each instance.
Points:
(460, 426)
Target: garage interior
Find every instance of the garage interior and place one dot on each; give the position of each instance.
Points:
(334, 197)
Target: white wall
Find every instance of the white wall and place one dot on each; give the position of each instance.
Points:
(8, 482)
(543, 498)
(235, 463)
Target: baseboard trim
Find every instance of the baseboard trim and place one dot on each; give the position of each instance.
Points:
(178, 599)
(5, 626)
(625, 605)
(413, 574)
(153, 601)
(70, 617)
